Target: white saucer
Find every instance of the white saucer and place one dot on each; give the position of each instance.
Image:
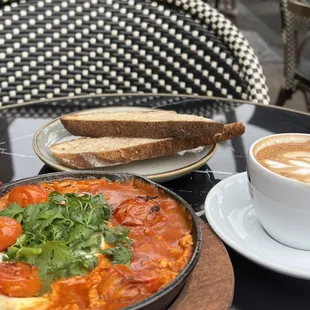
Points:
(230, 213)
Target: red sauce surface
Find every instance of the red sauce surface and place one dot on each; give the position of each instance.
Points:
(162, 245)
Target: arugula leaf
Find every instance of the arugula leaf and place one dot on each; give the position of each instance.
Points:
(118, 234)
(92, 243)
(57, 198)
(79, 231)
(118, 255)
(54, 255)
(13, 210)
(122, 232)
(109, 237)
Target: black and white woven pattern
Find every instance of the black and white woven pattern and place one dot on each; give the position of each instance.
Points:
(54, 48)
(291, 24)
(233, 38)
(290, 44)
(58, 107)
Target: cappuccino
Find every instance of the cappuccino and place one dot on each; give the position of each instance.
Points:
(288, 156)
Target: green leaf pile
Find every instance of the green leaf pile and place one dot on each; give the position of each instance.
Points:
(63, 236)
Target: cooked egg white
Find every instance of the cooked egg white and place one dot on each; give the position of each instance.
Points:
(29, 303)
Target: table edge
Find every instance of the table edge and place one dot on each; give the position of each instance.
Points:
(153, 94)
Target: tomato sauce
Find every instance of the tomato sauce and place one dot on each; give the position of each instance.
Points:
(160, 230)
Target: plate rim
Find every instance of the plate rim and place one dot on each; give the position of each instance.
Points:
(259, 260)
(154, 177)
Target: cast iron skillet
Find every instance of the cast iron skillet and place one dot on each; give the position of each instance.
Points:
(164, 297)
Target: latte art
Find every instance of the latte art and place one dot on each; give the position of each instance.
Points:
(293, 163)
(291, 160)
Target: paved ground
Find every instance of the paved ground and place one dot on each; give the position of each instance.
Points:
(260, 22)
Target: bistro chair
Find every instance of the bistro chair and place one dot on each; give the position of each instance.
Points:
(53, 48)
(295, 18)
(227, 7)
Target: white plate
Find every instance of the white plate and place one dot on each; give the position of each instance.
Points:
(230, 213)
(157, 169)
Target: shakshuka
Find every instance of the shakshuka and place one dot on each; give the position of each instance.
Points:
(89, 244)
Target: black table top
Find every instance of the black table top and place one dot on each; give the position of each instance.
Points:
(256, 287)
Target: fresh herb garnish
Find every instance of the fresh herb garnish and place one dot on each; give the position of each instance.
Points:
(62, 237)
(119, 255)
(14, 211)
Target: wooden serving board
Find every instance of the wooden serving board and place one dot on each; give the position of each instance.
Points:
(211, 284)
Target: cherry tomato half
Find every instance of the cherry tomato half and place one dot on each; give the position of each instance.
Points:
(138, 212)
(19, 279)
(27, 195)
(10, 230)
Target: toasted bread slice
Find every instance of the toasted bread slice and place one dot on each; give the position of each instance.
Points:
(87, 153)
(140, 124)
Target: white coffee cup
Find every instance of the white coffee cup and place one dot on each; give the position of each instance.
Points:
(281, 204)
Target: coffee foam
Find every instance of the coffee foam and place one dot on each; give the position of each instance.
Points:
(280, 139)
(287, 155)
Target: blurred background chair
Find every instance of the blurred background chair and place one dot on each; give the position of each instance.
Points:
(296, 33)
(227, 7)
(53, 48)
